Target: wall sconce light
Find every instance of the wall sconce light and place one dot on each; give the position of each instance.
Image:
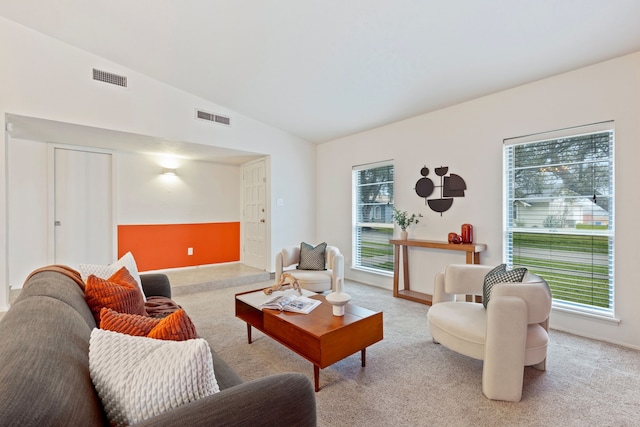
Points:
(169, 171)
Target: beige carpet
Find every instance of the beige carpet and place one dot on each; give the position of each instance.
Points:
(409, 381)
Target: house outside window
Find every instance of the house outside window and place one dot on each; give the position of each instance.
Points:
(372, 217)
(559, 213)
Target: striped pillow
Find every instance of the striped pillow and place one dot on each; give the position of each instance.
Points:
(176, 327)
(120, 292)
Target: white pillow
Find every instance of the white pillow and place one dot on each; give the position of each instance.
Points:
(106, 271)
(138, 377)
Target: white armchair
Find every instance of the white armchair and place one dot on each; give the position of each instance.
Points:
(312, 280)
(511, 333)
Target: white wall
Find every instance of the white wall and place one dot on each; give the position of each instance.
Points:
(201, 192)
(44, 78)
(27, 208)
(468, 138)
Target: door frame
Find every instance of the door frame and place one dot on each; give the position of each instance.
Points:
(51, 147)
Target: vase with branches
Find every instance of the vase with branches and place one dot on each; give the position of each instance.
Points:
(404, 220)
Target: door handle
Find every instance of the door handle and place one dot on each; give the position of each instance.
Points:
(262, 220)
(57, 223)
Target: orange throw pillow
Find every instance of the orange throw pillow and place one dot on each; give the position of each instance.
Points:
(120, 292)
(175, 327)
(130, 324)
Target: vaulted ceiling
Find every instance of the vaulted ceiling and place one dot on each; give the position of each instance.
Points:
(326, 69)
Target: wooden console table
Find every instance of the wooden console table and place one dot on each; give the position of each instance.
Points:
(473, 257)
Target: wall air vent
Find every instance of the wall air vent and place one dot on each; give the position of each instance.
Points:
(203, 115)
(114, 79)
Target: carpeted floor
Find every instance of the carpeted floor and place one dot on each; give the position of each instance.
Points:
(410, 381)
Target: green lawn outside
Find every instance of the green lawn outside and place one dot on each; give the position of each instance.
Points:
(569, 281)
(374, 253)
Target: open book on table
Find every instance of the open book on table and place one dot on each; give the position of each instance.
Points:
(291, 301)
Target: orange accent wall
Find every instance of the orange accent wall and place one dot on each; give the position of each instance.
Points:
(160, 246)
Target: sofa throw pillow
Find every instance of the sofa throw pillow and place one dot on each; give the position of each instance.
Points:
(119, 292)
(138, 378)
(177, 326)
(312, 257)
(125, 323)
(104, 271)
(500, 274)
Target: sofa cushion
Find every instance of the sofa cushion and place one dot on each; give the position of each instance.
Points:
(105, 271)
(119, 292)
(500, 274)
(138, 377)
(312, 257)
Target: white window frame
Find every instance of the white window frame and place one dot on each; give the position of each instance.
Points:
(381, 223)
(511, 226)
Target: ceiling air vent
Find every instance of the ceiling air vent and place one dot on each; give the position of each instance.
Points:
(114, 79)
(203, 115)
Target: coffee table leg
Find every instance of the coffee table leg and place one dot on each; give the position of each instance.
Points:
(363, 357)
(316, 377)
(249, 333)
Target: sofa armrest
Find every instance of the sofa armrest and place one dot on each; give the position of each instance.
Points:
(156, 285)
(284, 399)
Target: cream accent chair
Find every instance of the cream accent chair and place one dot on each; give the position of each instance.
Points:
(511, 333)
(312, 280)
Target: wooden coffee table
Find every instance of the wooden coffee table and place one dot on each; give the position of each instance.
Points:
(320, 337)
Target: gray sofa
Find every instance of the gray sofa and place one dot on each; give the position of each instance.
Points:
(44, 369)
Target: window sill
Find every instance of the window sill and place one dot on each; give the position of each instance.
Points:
(586, 314)
(373, 271)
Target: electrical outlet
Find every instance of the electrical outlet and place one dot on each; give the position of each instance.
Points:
(189, 251)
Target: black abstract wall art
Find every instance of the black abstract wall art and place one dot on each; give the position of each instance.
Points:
(450, 186)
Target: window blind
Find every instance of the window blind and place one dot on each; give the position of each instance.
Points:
(373, 222)
(559, 213)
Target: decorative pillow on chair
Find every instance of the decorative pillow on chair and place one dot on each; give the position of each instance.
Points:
(177, 326)
(500, 274)
(312, 258)
(104, 271)
(119, 292)
(138, 378)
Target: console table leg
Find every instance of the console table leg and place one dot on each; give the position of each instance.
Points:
(405, 267)
(396, 268)
(249, 333)
(316, 377)
(363, 357)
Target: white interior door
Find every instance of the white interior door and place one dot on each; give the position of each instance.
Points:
(83, 216)
(255, 217)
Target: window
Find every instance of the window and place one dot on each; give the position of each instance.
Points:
(559, 201)
(373, 223)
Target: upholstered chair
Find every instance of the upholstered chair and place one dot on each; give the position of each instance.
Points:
(313, 280)
(511, 333)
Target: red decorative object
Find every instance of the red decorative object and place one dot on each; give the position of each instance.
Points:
(467, 233)
(454, 238)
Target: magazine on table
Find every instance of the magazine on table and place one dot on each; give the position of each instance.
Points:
(291, 301)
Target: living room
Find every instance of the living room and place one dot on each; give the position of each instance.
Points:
(48, 79)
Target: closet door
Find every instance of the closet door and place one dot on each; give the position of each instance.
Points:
(83, 215)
